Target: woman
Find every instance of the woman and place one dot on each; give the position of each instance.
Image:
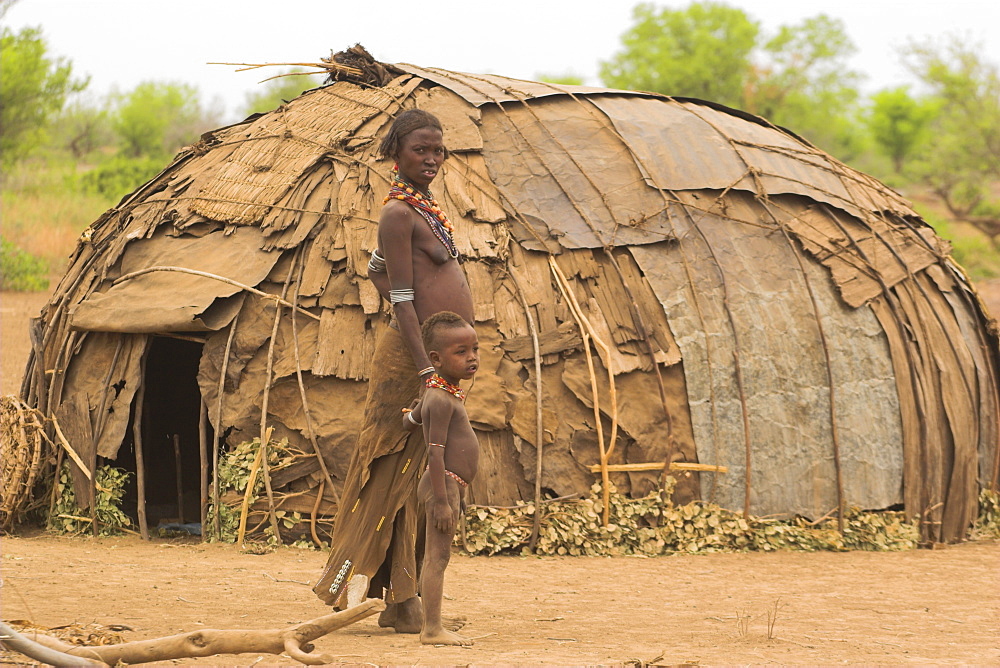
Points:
(416, 268)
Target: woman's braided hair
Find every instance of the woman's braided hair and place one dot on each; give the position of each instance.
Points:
(405, 123)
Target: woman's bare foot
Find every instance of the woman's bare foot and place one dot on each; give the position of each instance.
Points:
(443, 637)
(405, 617)
(387, 618)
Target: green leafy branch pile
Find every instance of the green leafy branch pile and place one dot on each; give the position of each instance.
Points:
(652, 526)
(987, 525)
(67, 517)
(234, 474)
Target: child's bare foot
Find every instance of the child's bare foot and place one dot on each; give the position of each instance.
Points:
(443, 637)
(453, 623)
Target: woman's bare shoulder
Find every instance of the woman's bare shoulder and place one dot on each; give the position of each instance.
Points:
(394, 208)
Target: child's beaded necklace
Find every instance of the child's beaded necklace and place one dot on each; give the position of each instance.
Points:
(427, 207)
(440, 383)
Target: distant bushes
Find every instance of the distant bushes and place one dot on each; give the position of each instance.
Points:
(21, 271)
(978, 256)
(120, 175)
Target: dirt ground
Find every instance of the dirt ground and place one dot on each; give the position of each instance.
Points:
(920, 607)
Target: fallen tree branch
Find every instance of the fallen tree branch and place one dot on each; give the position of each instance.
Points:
(296, 642)
(13, 640)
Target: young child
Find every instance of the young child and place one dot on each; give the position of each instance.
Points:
(453, 456)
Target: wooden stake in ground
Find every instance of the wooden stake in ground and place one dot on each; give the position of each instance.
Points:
(296, 642)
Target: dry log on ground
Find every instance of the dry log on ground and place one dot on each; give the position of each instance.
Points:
(11, 639)
(295, 641)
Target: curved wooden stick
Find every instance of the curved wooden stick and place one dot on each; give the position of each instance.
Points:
(588, 334)
(11, 639)
(296, 641)
(539, 425)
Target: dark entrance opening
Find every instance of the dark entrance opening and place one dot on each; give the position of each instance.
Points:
(170, 441)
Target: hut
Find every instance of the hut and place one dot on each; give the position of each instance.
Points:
(661, 284)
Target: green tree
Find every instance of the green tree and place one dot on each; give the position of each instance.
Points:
(155, 119)
(287, 86)
(962, 160)
(82, 128)
(798, 78)
(802, 82)
(899, 123)
(33, 88)
(702, 51)
(807, 60)
(561, 79)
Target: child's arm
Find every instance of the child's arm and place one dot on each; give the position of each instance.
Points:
(437, 417)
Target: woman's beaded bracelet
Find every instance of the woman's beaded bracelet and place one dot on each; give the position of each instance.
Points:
(426, 370)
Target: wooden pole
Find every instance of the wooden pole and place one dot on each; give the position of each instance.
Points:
(588, 334)
(217, 528)
(315, 509)
(251, 483)
(93, 496)
(179, 478)
(266, 475)
(140, 466)
(310, 431)
(539, 424)
(658, 466)
(265, 431)
(55, 485)
(203, 466)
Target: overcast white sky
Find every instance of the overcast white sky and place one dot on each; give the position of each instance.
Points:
(121, 43)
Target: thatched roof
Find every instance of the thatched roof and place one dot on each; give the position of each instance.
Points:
(760, 305)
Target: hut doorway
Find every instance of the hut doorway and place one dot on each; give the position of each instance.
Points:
(171, 409)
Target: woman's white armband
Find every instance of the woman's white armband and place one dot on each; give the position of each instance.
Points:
(397, 296)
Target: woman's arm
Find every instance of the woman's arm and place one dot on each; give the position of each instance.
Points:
(411, 416)
(396, 243)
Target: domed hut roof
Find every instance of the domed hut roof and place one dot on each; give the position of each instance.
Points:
(658, 281)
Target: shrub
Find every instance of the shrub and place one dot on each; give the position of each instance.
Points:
(119, 176)
(971, 248)
(20, 271)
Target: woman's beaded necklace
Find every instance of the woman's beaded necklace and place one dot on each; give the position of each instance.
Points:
(442, 384)
(427, 207)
